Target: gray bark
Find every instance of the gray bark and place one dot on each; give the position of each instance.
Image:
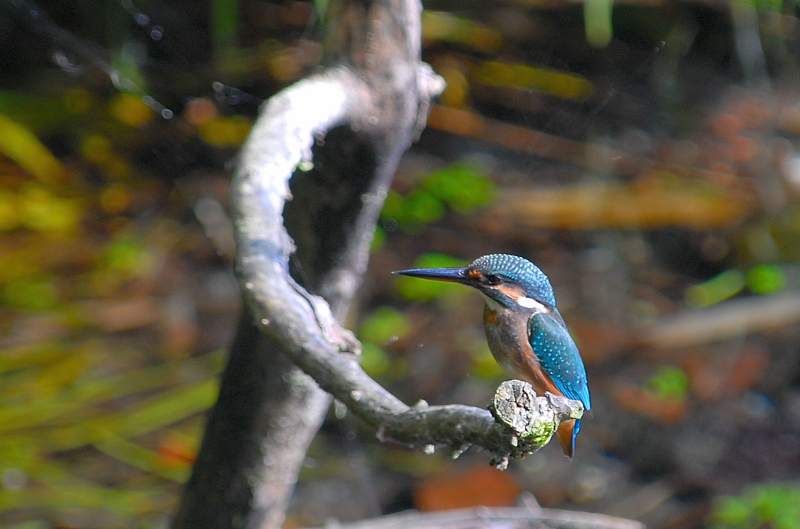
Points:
(368, 107)
(302, 246)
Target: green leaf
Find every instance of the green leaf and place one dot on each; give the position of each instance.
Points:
(716, 289)
(597, 20)
(378, 240)
(460, 186)
(766, 279)
(732, 512)
(670, 383)
(421, 290)
(322, 8)
(30, 293)
(374, 360)
(775, 505)
(418, 208)
(384, 325)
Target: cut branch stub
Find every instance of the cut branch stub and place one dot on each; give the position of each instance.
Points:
(515, 406)
(519, 424)
(531, 419)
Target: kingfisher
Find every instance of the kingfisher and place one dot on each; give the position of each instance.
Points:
(524, 330)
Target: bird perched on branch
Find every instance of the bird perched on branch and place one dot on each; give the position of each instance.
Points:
(525, 331)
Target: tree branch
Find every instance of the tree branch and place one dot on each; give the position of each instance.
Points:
(302, 322)
(506, 517)
(357, 118)
(365, 111)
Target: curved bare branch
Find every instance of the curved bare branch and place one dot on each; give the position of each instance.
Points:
(302, 322)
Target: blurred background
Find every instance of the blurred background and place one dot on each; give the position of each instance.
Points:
(645, 155)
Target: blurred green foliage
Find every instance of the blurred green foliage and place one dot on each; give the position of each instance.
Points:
(422, 290)
(374, 359)
(418, 208)
(669, 383)
(448, 27)
(37, 111)
(130, 109)
(769, 505)
(125, 254)
(719, 288)
(32, 293)
(767, 5)
(557, 83)
(378, 239)
(774, 239)
(19, 144)
(597, 22)
(761, 279)
(225, 28)
(483, 363)
(74, 269)
(126, 61)
(145, 418)
(766, 279)
(322, 8)
(44, 211)
(383, 326)
(462, 187)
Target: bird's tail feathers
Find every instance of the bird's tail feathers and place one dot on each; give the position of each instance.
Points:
(567, 433)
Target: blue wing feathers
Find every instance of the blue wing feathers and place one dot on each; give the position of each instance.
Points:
(559, 357)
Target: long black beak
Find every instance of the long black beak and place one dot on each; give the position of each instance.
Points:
(453, 275)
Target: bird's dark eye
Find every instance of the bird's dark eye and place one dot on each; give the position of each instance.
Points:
(492, 280)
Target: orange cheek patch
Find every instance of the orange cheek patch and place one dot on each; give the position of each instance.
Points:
(512, 293)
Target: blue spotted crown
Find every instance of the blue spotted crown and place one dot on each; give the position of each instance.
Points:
(519, 270)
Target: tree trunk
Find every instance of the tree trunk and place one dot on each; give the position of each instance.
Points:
(266, 413)
(367, 106)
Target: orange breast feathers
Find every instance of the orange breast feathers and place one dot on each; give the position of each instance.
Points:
(507, 335)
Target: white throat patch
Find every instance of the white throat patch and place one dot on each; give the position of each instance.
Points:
(529, 303)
